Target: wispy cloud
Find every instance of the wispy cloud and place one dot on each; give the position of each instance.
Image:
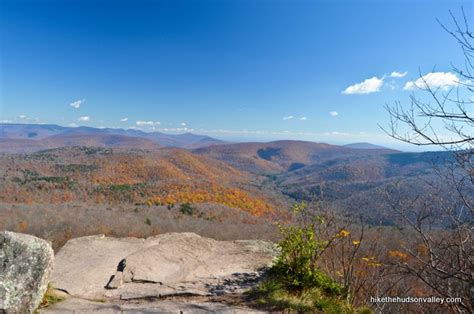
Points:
(182, 124)
(124, 120)
(174, 130)
(314, 136)
(77, 104)
(302, 118)
(397, 74)
(373, 84)
(334, 113)
(148, 123)
(22, 118)
(441, 80)
(368, 86)
(84, 119)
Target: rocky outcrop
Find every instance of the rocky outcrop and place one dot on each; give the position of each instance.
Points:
(25, 265)
(168, 265)
(167, 306)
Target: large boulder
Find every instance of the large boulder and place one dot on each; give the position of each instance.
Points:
(171, 264)
(25, 265)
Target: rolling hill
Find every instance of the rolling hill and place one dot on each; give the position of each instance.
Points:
(358, 185)
(281, 156)
(364, 146)
(21, 145)
(104, 175)
(115, 165)
(351, 180)
(34, 137)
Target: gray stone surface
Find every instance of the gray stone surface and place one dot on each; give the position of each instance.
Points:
(25, 265)
(74, 305)
(84, 265)
(122, 272)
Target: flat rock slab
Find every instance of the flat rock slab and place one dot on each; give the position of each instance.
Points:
(25, 265)
(172, 264)
(73, 305)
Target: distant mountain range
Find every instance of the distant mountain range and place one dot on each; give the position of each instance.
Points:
(353, 178)
(35, 137)
(27, 138)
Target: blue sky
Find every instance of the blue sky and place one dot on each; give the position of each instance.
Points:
(241, 70)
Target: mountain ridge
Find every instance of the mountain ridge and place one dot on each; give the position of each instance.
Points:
(364, 145)
(34, 137)
(280, 156)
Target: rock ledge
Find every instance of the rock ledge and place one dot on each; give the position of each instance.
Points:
(25, 265)
(169, 265)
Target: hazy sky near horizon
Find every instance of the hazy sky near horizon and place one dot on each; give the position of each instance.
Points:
(310, 70)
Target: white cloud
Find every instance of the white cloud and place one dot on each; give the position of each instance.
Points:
(303, 118)
(77, 104)
(84, 119)
(149, 123)
(288, 117)
(185, 129)
(368, 86)
(182, 124)
(124, 120)
(312, 136)
(398, 74)
(22, 116)
(334, 113)
(441, 80)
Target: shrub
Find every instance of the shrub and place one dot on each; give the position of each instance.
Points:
(125, 187)
(300, 250)
(273, 295)
(295, 281)
(187, 209)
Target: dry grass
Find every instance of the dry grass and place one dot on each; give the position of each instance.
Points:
(60, 222)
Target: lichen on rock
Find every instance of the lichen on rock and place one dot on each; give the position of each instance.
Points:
(25, 265)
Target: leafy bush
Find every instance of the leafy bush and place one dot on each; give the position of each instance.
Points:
(187, 209)
(300, 250)
(297, 261)
(295, 281)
